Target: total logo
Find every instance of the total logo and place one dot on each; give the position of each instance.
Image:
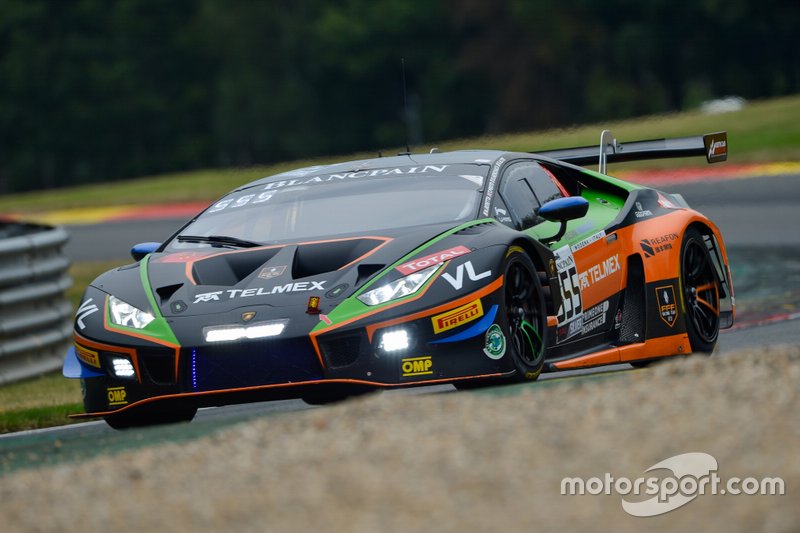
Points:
(301, 286)
(433, 259)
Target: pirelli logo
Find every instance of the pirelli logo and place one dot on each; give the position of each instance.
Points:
(458, 316)
(88, 356)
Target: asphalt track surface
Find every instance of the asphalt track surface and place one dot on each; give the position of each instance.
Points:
(759, 219)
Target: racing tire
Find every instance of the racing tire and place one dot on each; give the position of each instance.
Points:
(524, 316)
(523, 301)
(700, 289)
(149, 416)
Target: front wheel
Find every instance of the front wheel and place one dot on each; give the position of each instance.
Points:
(525, 317)
(701, 288)
(151, 416)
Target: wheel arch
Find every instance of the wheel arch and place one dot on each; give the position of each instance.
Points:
(539, 261)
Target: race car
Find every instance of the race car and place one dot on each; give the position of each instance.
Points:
(465, 267)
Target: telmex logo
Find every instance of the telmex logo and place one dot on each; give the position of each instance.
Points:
(417, 366)
(456, 317)
(433, 259)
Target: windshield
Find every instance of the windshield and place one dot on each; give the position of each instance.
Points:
(268, 213)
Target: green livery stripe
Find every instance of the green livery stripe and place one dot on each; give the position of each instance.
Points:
(146, 284)
(158, 330)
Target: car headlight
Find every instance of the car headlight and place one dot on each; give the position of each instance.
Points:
(398, 288)
(124, 314)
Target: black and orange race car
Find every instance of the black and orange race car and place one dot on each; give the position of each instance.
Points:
(467, 267)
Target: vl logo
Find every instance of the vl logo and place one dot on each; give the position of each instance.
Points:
(458, 281)
(86, 309)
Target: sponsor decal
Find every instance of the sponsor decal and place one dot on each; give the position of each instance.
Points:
(600, 271)
(495, 347)
(571, 304)
(301, 286)
(641, 212)
(117, 396)
(552, 267)
(88, 356)
(594, 317)
(241, 201)
(716, 148)
(87, 308)
(458, 281)
(618, 319)
(272, 272)
(666, 304)
(433, 259)
(456, 317)
(491, 185)
(416, 366)
(656, 245)
(588, 240)
(247, 316)
(381, 172)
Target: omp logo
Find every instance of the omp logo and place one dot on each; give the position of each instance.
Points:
(456, 317)
(117, 396)
(458, 281)
(417, 366)
(87, 356)
(87, 308)
(433, 259)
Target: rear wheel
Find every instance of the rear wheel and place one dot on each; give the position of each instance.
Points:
(700, 288)
(525, 315)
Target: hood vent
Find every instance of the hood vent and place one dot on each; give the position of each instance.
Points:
(318, 258)
(312, 259)
(228, 269)
(166, 292)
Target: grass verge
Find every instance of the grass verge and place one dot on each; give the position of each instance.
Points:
(47, 400)
(762, 131)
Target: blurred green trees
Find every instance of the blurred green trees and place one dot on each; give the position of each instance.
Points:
(92, 90)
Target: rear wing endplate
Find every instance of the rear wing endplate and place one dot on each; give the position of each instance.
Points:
(714, 146)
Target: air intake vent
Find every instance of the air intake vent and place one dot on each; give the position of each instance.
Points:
(318, 258)
(342, 351)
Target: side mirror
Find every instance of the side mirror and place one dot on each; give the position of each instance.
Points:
(563, 210)
(143, 248)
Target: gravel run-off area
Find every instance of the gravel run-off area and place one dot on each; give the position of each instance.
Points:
(452, 462)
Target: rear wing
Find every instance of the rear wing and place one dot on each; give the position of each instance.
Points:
(714, 146)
